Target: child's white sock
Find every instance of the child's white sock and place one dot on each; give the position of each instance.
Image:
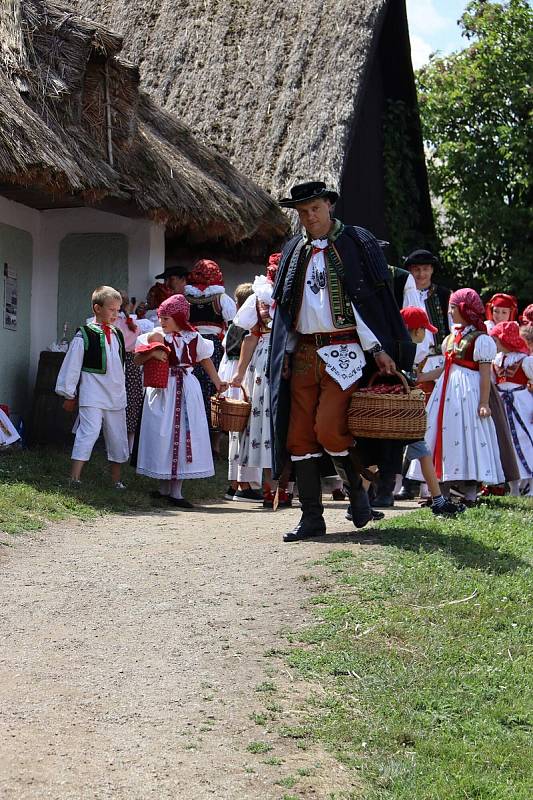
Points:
(164, 487)
(175, 490)
(514, 487)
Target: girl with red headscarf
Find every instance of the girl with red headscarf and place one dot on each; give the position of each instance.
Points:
(500, 308)
(513, 369)
(460, 432)
(174, 437)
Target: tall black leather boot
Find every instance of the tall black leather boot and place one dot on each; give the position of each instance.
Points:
(310, 493)
(348, 470)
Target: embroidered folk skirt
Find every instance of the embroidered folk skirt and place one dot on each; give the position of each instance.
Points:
(255, 446)
(134, 393)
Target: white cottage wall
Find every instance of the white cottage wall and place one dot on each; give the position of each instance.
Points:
(146, 258)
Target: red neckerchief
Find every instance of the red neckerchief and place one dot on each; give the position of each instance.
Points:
(317, 250)
(107, 330)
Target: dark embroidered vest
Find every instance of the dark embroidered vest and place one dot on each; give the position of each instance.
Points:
(206, 310)
(437, 311)
(234, 339)
(95, 356)
(341, 307)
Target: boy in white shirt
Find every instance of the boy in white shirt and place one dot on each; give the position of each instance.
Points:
(95, 360)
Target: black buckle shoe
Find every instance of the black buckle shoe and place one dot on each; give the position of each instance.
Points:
(306, 529)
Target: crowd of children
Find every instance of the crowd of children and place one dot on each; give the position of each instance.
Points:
(137, 381)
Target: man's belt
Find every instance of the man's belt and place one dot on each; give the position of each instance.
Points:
(326, 339)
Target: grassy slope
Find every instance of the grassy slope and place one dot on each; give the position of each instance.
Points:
(429, 699)
(34, 489)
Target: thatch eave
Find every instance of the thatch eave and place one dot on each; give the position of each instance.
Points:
(57, 139)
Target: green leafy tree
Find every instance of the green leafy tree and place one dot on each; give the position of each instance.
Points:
(476, 114)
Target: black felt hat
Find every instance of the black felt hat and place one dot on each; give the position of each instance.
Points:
(181, 272)
(303, 192)
(420, 257)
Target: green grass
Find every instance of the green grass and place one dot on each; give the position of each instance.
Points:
(429, 698)
(34, 489)
(259, 747)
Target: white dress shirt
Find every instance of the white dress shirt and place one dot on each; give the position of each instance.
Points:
(107, 391)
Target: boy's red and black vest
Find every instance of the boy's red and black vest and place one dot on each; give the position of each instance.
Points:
(95, 356)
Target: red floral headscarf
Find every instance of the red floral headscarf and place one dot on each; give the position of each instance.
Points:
(470, 307)
(527, 315)
(178, 308)
(272, 267)
(206, 273)
(509, 335)
(501, 300)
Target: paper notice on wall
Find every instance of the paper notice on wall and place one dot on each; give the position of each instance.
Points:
(10, 297)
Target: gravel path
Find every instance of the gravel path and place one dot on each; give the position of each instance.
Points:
(131, 649)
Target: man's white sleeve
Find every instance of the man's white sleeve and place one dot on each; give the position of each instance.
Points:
(366, 337)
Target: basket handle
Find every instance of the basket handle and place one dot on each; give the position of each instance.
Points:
(243, 390)
(397, 374)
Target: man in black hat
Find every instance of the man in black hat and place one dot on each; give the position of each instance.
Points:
(174, 278)
(336, 321)
(421, 264)
(174, 282)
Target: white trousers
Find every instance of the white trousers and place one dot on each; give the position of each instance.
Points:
(89, 424)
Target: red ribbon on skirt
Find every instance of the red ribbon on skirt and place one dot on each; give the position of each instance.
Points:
(178, 373)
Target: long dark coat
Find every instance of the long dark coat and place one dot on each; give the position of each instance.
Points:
(368, 285)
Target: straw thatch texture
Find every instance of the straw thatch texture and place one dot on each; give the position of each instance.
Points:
(75, 127)
(276, 86)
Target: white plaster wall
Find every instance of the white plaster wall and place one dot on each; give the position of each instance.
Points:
(146, 258)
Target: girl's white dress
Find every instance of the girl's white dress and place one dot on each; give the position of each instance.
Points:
(520, 399)
(157, 456)
(255, 444)
(470, 449)
(8, 432)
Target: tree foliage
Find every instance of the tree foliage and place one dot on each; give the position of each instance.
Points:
(476, 115)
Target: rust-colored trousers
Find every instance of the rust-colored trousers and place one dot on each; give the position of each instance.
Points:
(319, 407)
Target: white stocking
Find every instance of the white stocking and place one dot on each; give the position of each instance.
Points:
(175, 489)
(514, 487)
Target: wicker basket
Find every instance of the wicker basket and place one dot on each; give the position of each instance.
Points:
(394, 412)
(228, 414)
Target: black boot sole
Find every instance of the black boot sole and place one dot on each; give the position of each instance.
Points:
(294, 536)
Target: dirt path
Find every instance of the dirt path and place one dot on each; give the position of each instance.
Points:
(130, 653)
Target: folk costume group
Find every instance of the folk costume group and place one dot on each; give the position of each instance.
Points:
(328, 315)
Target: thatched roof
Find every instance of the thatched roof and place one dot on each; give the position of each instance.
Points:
(75, 130)
(274, 85)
